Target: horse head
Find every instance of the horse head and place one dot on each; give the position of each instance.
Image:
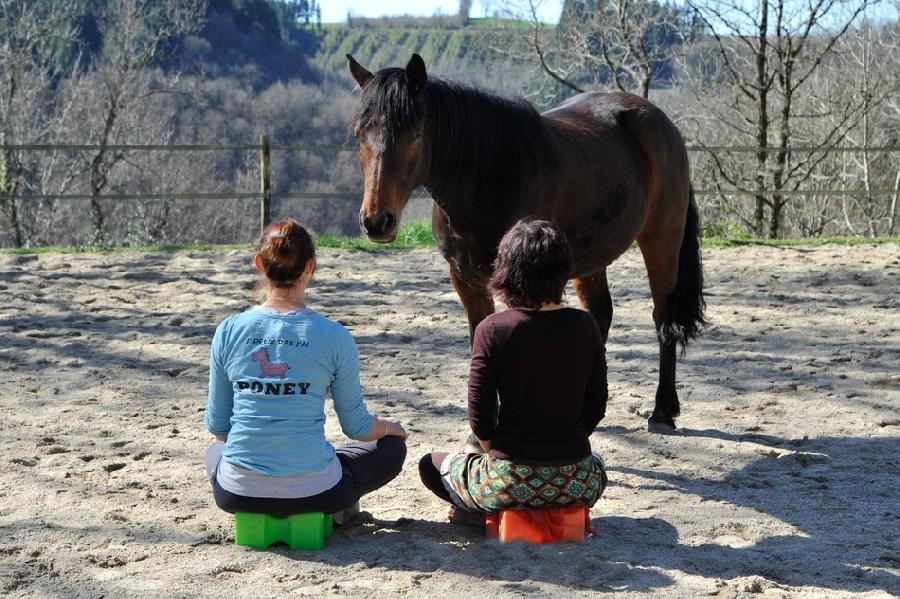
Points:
(389, 125)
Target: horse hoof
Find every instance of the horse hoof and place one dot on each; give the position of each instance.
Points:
(662, 428)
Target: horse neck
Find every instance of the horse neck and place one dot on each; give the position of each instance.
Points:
(484, 152)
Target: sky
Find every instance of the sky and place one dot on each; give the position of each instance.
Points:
(335, 11)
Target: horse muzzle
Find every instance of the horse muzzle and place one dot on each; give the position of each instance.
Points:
(382, 229)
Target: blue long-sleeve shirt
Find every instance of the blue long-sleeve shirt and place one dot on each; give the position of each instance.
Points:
(269, 375)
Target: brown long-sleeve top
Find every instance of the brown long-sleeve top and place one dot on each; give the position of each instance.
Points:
(548, 369)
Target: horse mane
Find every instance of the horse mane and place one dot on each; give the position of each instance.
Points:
(485, 149)
(386, 107)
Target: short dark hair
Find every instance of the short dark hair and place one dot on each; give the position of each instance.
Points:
(285, 248)
(533, 264)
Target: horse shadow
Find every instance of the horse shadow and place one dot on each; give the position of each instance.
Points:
(835, 498)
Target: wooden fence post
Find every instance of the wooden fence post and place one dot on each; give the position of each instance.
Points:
(264, 182)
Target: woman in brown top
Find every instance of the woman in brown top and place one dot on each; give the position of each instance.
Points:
(545, 365)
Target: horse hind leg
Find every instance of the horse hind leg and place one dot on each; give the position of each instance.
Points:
(662, 270)
(676, 285)
(593, 292)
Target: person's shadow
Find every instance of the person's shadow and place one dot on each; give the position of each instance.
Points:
(422, 547)
(837, 498)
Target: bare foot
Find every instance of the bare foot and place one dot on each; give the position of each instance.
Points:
(346, 515)
(465, 517)
(472, 445)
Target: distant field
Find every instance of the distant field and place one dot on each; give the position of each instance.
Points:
(445, 49)
(441, 48)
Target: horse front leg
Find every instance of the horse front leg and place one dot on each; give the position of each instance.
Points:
(476, 301)
(593, 292)
(478, 304)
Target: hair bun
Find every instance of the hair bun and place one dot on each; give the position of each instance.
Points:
(285, 247)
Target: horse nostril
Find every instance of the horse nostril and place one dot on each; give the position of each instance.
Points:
(367, 225)
(387, 222)
(377, 227)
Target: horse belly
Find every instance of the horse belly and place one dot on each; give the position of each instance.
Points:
(602, 220)
(602, 192)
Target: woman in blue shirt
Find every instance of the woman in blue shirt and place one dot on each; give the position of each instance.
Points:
(270, 369)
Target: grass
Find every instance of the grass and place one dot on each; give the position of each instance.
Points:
(745, 240)
(413, 234)
(417, 234)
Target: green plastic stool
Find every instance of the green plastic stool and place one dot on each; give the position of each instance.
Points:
(301, 531)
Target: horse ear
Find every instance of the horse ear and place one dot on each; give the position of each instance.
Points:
(415, 74)
(359, 72)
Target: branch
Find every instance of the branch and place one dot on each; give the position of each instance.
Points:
(536, 44)
(817, 61)
(746, 88)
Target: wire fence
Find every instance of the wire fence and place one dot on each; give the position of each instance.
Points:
(265, 194)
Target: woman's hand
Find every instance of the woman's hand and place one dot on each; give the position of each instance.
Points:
(393, 428)
(382, 427)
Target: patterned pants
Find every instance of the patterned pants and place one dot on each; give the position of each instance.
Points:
(486, 484)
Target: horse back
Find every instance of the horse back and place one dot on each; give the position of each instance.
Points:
(616, 151)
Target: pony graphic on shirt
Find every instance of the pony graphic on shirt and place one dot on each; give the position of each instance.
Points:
(269, 370)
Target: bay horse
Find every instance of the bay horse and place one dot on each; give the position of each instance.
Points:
(608, 168)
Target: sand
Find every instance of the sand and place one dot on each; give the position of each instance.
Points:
(785, 481)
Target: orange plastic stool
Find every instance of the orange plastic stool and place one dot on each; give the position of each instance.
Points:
(549, 525)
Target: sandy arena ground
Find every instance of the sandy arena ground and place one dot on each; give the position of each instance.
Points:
(784, 483)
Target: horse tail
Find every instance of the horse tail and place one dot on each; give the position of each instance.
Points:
(686, 306)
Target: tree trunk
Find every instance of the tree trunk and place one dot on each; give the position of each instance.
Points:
(7, 202)
(99, 171)
(786, 78)
(759, 214)
(762, 120)
(893, 211)
(778, 203)
(778, 200)
(98, 182)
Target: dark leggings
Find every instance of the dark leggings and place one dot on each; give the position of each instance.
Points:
(366, 467)
(431, 478)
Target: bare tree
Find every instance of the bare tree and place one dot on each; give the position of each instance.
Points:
(465, 6)
(767, 57)
(866, 67)
(624, 43)
(892, 110)
(116, 89)
(892, 214)
(34, 38)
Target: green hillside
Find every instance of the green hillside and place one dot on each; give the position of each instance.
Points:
(445, 50)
